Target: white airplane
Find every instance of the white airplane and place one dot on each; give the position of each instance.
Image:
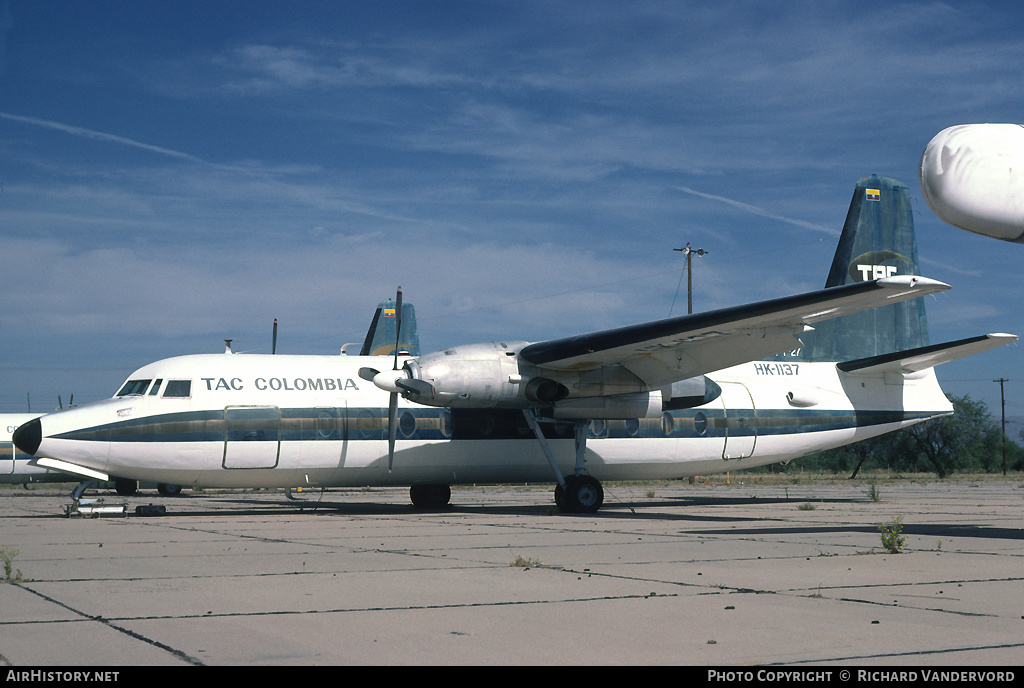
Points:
(692, 395)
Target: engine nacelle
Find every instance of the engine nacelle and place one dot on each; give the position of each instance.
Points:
(475, 375)
(491, 375)
(620, 406)
(690, 393)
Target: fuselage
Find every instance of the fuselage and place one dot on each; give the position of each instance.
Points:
(237, 420)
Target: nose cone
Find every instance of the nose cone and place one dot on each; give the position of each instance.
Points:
(28, 436)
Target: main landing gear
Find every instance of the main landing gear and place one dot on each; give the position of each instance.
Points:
(582, 494)
(579, 493)
(127, 488)
(431, 497)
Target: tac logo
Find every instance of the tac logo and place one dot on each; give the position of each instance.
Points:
(873, 272)
(870, 266)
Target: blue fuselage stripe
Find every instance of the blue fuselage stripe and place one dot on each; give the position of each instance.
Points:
(307, 424)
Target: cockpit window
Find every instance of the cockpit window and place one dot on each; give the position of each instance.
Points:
(134, 387)
(178, 388)
(155, 388)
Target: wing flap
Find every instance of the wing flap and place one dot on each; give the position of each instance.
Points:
(691, 345)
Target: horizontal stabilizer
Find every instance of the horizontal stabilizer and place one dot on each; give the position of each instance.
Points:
(922, 358)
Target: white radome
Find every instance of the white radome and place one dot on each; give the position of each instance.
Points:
(972, 177)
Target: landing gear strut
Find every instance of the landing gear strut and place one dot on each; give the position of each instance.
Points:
(579, 493)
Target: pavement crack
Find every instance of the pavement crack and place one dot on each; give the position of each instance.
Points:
(113, 626)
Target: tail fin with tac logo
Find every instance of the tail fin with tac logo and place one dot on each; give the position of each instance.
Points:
(380, 338)
(878, 240)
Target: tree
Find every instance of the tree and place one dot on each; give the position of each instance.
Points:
(967, 440)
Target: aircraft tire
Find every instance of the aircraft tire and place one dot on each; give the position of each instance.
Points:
(430, 496)
(583, 495)
(125, 487)
(168, 490)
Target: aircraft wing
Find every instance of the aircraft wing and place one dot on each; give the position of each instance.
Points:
(664, 351)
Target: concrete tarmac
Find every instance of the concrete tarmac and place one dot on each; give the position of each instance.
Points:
(707, 574)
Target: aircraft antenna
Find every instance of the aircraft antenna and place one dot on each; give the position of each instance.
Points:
(273, 346)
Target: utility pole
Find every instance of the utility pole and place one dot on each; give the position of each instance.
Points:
(689, 272)
(1002, 402)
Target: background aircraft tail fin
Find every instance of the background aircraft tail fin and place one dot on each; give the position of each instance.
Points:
(878, 240)
(380, 338)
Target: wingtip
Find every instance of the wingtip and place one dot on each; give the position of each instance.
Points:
(914, 281)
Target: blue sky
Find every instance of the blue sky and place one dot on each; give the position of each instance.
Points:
(174, 174)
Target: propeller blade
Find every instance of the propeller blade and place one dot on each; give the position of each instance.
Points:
(393, 401)
(414, 387)
(398, 323)
(368, 374)
(392, 428)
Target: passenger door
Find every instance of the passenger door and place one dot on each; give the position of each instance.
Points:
(252, 436)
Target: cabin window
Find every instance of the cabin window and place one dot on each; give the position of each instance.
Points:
(178, 388)
(668, 423)
(700, 422)
(134, 387)
(407, 424)
(633, 426)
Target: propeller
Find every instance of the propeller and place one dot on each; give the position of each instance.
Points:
(388, 381)
(393, 401)
(401, 379)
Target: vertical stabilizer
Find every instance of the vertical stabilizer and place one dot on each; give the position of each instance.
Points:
(877, 241)
(380, 338)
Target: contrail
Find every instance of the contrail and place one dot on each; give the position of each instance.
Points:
(762, 212)
(100, 136)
